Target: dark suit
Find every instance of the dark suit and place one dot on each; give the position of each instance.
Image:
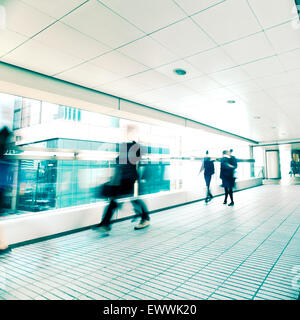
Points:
(228, 165)
(126, 174)
(209, 170)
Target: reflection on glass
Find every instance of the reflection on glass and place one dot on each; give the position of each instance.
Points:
(44, 182)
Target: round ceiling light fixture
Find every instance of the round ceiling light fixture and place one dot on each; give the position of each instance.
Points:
(257, 117)
(180, 72)
(231, 101)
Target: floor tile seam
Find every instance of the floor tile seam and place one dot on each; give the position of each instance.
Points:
(208, 232)
(230, 248)
(64, 292)
(172, 266)
(260, 246)
(134, 254)
(286, 290)
(105, 291)
(22, 280)
(268, 237)
(205, 223)
(273, 295)
(277, 260)
(60, 285)
(161, 273)
(235, 292)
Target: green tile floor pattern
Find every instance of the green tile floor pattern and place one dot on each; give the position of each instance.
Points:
(197, 251)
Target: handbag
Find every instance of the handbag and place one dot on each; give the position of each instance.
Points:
(107, 190)
(110, 188)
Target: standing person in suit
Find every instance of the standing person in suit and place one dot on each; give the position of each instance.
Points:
(125, 177)
(209, 170)
(227, 176)
(293, 168)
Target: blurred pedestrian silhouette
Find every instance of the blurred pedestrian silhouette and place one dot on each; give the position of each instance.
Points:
(294, 168)
(228, 165)
(233, 160)
(209, 169)
(123, 182)
(4, 183)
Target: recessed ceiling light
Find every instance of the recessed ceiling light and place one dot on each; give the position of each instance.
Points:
(180, 72)
(273, 127)
(257, 117)
(230, 101)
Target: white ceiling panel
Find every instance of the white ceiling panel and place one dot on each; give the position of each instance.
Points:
(284, 91)
(276, 80)
(168, 70)
(286, 102)
(202, 84)
(243, 88)
(152, 79)
(24, 19)
(259, 98)
(184, 38)
(284, 37)
(271, 13)
(88, 74)
(194, 6)
(66, 39)
(147, 15)
(212, 60)
(35, 56)
(230, 76)
(249, 49)
(264, 67)
(228, 21)
(221, 95)
(110, 29)
(290, 60)
(294, 76)
(10, 40)
(148, 52)
(173, 92)
(54, 8)
(119, 63)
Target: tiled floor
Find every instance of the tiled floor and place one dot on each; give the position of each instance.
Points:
(198, 251)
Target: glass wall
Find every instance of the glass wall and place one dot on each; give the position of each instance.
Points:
(171, 162)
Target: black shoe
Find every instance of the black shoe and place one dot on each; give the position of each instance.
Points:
(102, 227)
(6, 250)
(225, 202)
(231, 204)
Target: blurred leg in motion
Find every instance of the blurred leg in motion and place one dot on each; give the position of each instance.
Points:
(230, 192)
(105, 224)
(209, 196)
(226, 195)
(141, 210)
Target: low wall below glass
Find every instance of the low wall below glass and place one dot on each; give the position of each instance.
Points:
(37, 225)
